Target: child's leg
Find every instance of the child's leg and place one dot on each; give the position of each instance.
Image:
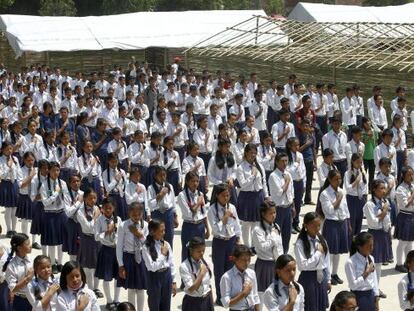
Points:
(408, 247)
(59, 254)
(95, 280)
(218, 256)
(72, 257)
(247, 227)
(25, 227)
(378, 270)
(34, 238)
(89, 277)
(131, 295)
(44, 250)
(401, 252)
(107, 291)
(52, 254)
(13, 218)
(140, 299)
(117, 290)
(8, 218)
(335, 263)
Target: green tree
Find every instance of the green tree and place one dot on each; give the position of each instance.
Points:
(384, 2)
(57, 8)
(127, 6)
(4, 4)
(274, 7)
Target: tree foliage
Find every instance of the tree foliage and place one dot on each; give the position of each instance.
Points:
(384, 2)
(57, 8)
(4, 4)
(125, 6)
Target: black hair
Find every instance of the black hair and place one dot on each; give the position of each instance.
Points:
(279, 156)
(281, 262)
(384, 161)
(387, 132)
(67, 268)
(157, 170)
(138, 206)
(48, 134)
(248, 148)
(404, 171)
(303, 235)
(375, 184)
(354, 157)
(289, 142)
(241, 250)
(36, 263)
(165, 151)
(155, 135)
(190, 175)
(153, 225)
(327, 152)
(331, 174)
(341, 299)
(125, 306)
(220, 158)
(360, 240)
(264, 208)
(217, 189)
(17, 240)
(193, 244)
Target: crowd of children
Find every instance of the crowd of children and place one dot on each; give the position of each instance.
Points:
(99, 168)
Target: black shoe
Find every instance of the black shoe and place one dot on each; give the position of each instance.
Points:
(59, 267)
(296, 227)
(9, 234)
(401, 268)
(391, 260)
(382, 295)
(337, 279)
(218, 302)
(333, 281)
(36, 245)
(98, 293)
(55, 269)
(309, 203)
(385, 263)
(110, 306)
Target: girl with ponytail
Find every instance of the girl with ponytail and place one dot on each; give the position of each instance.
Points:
(344, 300)
(406, 285)
(312, 255)
(196, 276)
(4, 289)
(284, 293)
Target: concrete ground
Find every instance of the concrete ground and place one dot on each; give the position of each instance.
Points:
(388, 282)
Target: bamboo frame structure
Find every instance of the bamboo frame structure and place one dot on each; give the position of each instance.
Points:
(345, 45)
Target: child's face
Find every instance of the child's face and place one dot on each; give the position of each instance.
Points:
(270, 215)
(409, 177)
(176, 119)
(135, 177)
(411, 265)
(267, 141)
(91, 199)
(169, 145)
(54, 172)
(242, 262)
(161, 177)
(75, 183)
(385, 169)
(284, 117)
(44, 269)
(118, 136)
(204, 123)
(74, 279)
(313, 227)
(65, 140)
(250, 155)
(380, 191)
(108, 210)
(198, 252)
(159, 233)
(336, 126)
(223, 198)
(335, 181)
(135, 214)
(397, 123)
(64, 114)
(137, 114)
(357, 136)
(113, 163)
(387, 139)
(367, 248)
(294, 146)
(88, 147)
(25, 248)
(29, 161)
(193, 184)
(282, 163)
(224, 148)
(7, 150)
(357, 163)
(195, 151)
(287, 273)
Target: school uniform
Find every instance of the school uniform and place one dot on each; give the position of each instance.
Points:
(359, 107)
(91, 174)
(149, 154)
(54, 217)
(201, 298)
(275, 301)
(48, 152)
(335, 227)
(337, 142)
(253, 191)
(24, 203)
(106, 264)
(259, 111)
(72, 229)
(129, 255)
(266, 157)
(404, 228)
(189, 121)
(69, 166)
(277, 130)
(164, 209)
(32, 143)
(378, 115)
(323, 171)
(102, 152)
(252, 135)
(194, 222)
(384, 151)
(267, 244)
(4, 289)
(348, 109)
(401, 148)
(38, 207)
(127, 128)
(161, 275)
(314, 275)
(88, 246)
(284, 202)
(180, 139)
(116, 190)
(42, 286)
(356, 197)
(171, 162)
(16, 270)
(204, 139)
(403, 291)
(231, 284)
(333, 103)
(379, 230)
(121, 153)
(354, 147)
(136, 157)
(388, 180)
(9, 182)
(189, 164)
(158, 126)
(238, 152)
(69, 299)
(214, 123)
(139, 124)
(365, 290)
(297, 170)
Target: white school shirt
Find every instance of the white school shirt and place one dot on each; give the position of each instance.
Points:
(122, 153)
(387, 180)
(43, 286)
(9, 173)
(188, 121)
(190, 162)
(205, 145)
(166, 203)
(238, 152)
(297, 168)
(16, 270)
(221, 103)
(127, 242)
(72, 106)
(23, 174)
(162, 261)
(402, 196)
(249, 182)
(87, 170)
(48, 152)
(110, 182)
(72, 161)
(273, 100)
(274, 302)
(266, 157)
(32, 143)
(131, 195)
(267, 244)
(216, 175)
(215, 215)
(327, 199)
(276, 183)
(361, 189)
(157, 126)
(150, 153)
(68, 300)
(36, 186)
(402, 292)
(184, 201)
(111, 116)
(213, 124)
(384, 151)
(412, 120)
(323, 171)
(404, 114)
(231, 284)
(202, 105)
(379, 116)
(39, 98)
(136, 153)
(170, 160)
(189, 273)
(139, 125)
(317, 261)
(182, 137)
(399, 133)
(11, 113)
(348, 109)
(100, 228)
(394, 104)
(354, 268)
(288, 90)
(56, 102)
(144, 111)
(352, 147)
(126, 125)
(333, 103)
(3, 259)
(278, 129)
(318, 101)
(253, 133)
(75, 201)
(236, 109)
(87, 226)
(359, 105)
(120, 92)
(295, 102)
(371, 211)
(259, 121)
(91, 111)
(336, 142)
(171, 96)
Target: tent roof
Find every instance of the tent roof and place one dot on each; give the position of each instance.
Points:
(124, 31)
(318, 12)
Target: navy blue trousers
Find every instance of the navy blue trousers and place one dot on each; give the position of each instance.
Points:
(159, 290)
(221, 251)
(298, 193)
(188, 232)
(168, 219)
(365, 300)
(4, 297)
(284, 220)
(21, 304)
(356, 213)
(342, 166)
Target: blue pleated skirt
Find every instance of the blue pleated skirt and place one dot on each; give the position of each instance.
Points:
(336, 234)
(404, 229)
(198, 303)
(4, 297)
(37, 219)
(149, 176)
(174, 179)
(8, 194)
(365, 300)
(248, 205)
(136, 273)
(53, 227)
(316, 294)
(24, 207)
(188, 232)
(265, 273)
(71, 237)
(21, 304)
(121, 207)
(381, 251)
(107, 265)
(88, 251)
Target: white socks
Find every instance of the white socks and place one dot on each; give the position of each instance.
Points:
(91, 280)
(51, 252)
(403, 247)
(107, 291)
(10, 218)
(140, 296)
(335, 263)
(378, 271)
(25, 226)
(247, 227)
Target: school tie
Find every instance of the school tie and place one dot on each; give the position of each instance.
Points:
(29, 187)
(224, 173)
(319, 272)
(286, 290)
(137, 246)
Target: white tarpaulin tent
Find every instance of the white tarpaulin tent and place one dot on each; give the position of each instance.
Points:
(124, 31)
(318, 12)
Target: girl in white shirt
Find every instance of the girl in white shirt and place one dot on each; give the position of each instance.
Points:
(204, 137)
(284, 293)
(4, 289)
(356, 187)
(266, 153)
(406, 285)
(68, 157)
(152, 156)
(194, 163)
(170, 160)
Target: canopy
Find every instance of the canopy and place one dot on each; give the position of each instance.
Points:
(124, 31)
